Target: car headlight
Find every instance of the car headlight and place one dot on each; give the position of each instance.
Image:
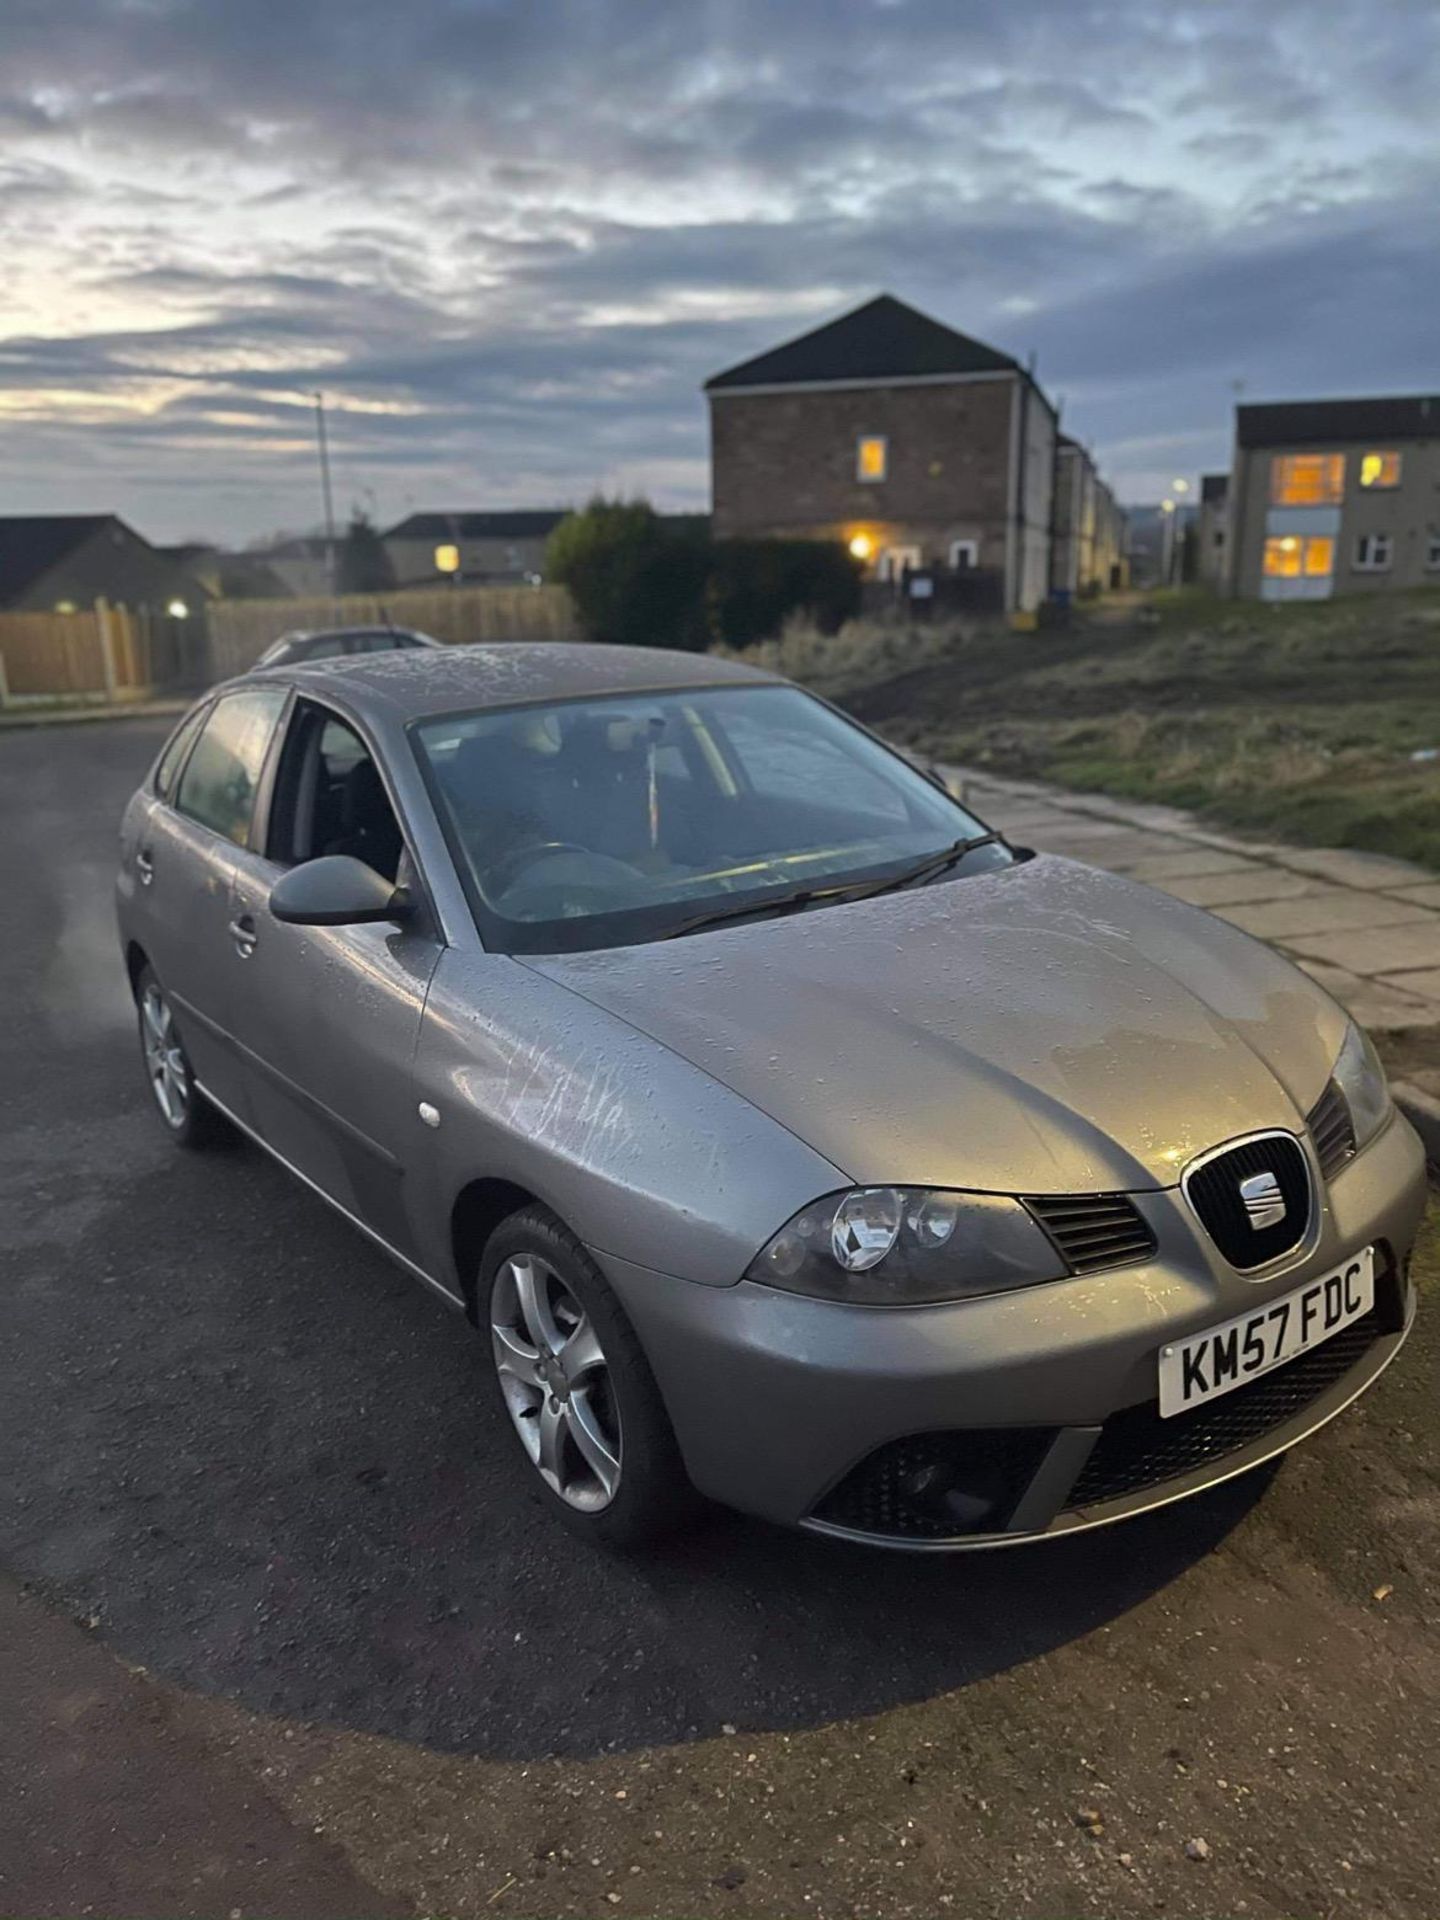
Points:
(904, 1246)
(1361, 1078)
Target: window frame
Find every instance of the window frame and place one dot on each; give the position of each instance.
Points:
(298, 713)
(864, 440)
(260, 803)
(1362, 540)
(1432, 550)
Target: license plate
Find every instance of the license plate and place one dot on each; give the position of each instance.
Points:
(1225, 1357)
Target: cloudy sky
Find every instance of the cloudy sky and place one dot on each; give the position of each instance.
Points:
(510, 238)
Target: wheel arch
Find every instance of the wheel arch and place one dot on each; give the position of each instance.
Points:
(136, 961)
(479, 1208)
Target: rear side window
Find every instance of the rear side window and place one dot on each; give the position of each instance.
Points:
(218, 785)
(176, 749)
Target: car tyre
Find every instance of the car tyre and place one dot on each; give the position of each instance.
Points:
(185, 1113)
(575, 1385)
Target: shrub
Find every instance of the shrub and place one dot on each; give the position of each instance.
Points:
(634, 581)
(639, 580)
(757, 585)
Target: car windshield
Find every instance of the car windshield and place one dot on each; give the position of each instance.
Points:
(594, 823)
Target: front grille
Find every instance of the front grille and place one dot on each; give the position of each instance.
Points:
(1138, 1449)
(937, 1486)
(1093, 1230)
(1214, 1191)
(1332, 1131)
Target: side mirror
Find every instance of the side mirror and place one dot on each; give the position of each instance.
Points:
(335, 891)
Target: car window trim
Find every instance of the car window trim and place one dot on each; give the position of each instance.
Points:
(301, 697)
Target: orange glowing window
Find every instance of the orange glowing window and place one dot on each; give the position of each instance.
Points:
(1282, 558)
(872, 456)
(447, 559)
(1319, 555)
(1307, 479)
(1379, 469)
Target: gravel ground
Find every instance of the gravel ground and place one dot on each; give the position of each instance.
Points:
(254, 1461)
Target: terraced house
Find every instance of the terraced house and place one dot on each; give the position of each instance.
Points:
(1335, 496)
(923, 450)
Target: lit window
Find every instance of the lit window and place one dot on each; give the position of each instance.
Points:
(1372, 552)
(1307, 479)
(1282, 558)
(447, 559)
(1379, 469)
(872, 452)
(1319, 555)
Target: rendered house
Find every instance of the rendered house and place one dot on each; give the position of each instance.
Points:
(1335, 496)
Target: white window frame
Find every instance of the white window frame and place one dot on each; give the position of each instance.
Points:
(863, 440)
(1368, 559)
(971, 547)
(894, 560)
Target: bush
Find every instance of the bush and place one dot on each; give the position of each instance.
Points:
(757, 585)
(641, 581)
(634, 581)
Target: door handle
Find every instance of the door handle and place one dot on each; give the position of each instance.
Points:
(144, 866)
(242, 932)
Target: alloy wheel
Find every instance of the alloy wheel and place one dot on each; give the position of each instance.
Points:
(556, 1382)
(164, 1058)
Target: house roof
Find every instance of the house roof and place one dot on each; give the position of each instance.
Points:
(1303, 423)
(1214, 486)
(517, 524)
(32, 543)
(883, 340)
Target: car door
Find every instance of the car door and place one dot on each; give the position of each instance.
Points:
(328, 1017)
(185, 861)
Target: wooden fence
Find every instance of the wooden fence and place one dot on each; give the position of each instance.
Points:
(118, 653)
(104, 653)
(240, 630)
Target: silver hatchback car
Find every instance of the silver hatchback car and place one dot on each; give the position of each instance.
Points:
(789, 1135)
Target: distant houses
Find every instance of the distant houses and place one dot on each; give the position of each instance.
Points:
(439, 547)
(64, 562)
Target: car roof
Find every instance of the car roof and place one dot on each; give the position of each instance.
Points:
(408, 685)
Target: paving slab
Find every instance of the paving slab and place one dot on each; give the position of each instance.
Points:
(1240, 888)
(1327, 910)
(1426, 982)
(1385, 950)
(1426, 896)
(1156, 869)
(1377, 1004)
(1348, 868)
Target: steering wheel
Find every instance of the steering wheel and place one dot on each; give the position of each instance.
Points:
(503, 874)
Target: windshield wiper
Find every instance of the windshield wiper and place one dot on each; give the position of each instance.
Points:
(932, 864)
(842, 890)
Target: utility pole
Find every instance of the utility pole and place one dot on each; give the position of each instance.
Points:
(324, 448)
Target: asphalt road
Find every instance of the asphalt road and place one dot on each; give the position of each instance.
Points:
(256, 1461)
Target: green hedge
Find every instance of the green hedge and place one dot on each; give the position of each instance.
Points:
(638, 580)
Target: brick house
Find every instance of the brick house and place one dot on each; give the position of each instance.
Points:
(1335, 496)
(1088, 552)
(917, 446)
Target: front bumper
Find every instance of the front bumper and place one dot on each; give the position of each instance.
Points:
(1041, 1401)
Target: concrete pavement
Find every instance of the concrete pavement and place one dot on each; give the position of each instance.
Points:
(1365, 926)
